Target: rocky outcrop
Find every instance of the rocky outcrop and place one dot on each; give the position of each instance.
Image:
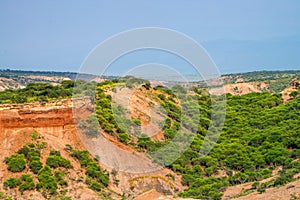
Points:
(54, 118)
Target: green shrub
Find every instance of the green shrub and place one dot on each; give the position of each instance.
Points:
(162, 96)
(24, 150)
(169, 133)
(53, 161)
(54, 153)
(34, 135)
(124, 137)
(35, 166)
(261, 190)
(82, 157)
(16, 162)
(27, 183)
(137, 121)
(10, 182)
(31, 145)
(65, 163)
(255, 185)
(42, 146)
(45, 171)
(95, 186)
(103, 178)
(33, 154)
(46, 180)
(59, 176)
(58, 161)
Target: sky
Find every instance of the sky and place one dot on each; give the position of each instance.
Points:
(239, 35)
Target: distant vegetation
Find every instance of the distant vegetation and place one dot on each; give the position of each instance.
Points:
(36, 92)
(277, 80)
(44, 92)
(261, 76)
(17, 74)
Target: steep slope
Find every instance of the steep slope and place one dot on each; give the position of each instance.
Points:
(47, 123)
(55, 124)
(136, 172)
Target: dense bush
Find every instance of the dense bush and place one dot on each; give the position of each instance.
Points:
(32, 154)
(259, 134)
(10, 182)
(94, 185)
(25, 182)
(82, 156)
(47, 181)
(124, 137)
(54, 153)
(16, 162)
(35, 166)
(94, 171)
(55, 161)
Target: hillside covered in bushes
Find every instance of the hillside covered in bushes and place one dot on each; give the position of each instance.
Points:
(260, 134)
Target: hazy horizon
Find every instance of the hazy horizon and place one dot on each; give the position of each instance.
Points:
(238, 72)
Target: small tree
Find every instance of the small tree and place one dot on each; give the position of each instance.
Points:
(124, 137)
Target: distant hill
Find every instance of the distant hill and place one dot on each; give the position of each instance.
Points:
(260, 76)
(15, 79)
(276, 80)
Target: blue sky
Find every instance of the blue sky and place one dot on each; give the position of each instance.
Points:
(239, 35)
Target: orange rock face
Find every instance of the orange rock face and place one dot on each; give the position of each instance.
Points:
(36, 115)
(53, 119)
